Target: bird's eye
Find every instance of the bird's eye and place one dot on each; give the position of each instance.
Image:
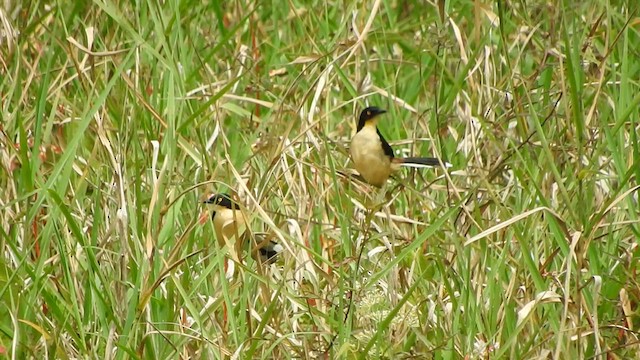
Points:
(368, 113)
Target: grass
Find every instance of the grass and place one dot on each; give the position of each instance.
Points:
(117, 120)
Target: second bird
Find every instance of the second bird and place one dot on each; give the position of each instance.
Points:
(230, 225)
(373, 156)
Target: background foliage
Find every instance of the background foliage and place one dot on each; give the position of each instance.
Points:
(118, 118)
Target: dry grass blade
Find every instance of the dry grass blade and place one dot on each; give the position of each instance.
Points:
(507, 223)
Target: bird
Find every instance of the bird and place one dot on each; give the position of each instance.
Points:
(372, 155)
(230, 226)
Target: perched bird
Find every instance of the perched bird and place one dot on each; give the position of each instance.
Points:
(230, 226)
(373, 156)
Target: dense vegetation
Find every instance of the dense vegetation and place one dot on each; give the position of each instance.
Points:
(119, 118)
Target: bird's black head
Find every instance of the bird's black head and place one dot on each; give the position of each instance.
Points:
(223, 200)
(367, 114)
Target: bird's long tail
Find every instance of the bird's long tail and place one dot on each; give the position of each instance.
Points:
(267, 249)
(269, 253)
(420, 162)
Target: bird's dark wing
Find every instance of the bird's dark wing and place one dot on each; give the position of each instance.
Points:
(385, 145)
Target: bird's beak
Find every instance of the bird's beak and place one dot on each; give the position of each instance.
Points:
(380, 112)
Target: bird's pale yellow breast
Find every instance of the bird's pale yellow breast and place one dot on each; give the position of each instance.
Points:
(368, 156)
(229, 225)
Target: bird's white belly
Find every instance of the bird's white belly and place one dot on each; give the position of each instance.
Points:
(369, 158)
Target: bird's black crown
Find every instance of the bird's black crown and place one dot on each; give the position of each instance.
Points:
(223, 200)
(368, 114)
